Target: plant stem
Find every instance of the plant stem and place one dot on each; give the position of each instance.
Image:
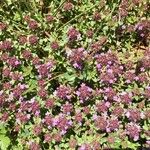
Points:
(76, 17)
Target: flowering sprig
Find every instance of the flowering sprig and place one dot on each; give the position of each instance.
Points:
(74, 75)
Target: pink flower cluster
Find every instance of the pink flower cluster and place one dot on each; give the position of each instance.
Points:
(72, 78)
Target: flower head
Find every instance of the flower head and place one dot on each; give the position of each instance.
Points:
(63, 92)
(84, 92)
(68, 6)
(33, 39)
(77, 57)
(73, 34)
(133, 130)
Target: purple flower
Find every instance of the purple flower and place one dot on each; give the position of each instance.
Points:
(129, 76)
(22, 118)
(33, 24)
(84, 92)
(18, 90)
(36, 61)
(148, 142)
(6, 72)
(44, 69)
(147, 114)
(34, 146)
(57, 137)
(3, 26)
(143, 77)
(73, 34)
(147, 92)
(47, 137)
(27, 54)
(133, 130)
(6, 45)
(54, 45)
(111, 140)
(72, 143)
(141, 29)
(22, 39)
(101, 123)
(27, 18)
(33, 39)
(48, 120)
(41, 83)
(126, 98)
(63, 92)
(2, 98)
(4, 117)
(101, 59)
(42, 93)
(63, 123)
(89, 33)
(4, 57)
(24, 106)
(68, 6)
(78, 117)
(145, 63)
(108, 78)
(77, 56)
(86, 110)
(96, 145)
(7, 85)
(50, 103)
(123, 12)
(34, 107)
(102, 106)
(118, 111)
(129, 65)
(67, 108)
(96, 46)
(17, 76)
(85, 147)
(49, 18)
(96, 16)
(113, 124)
(13, 61)
(133, 115)
(37, 129)
(109, 94)
(116, 69)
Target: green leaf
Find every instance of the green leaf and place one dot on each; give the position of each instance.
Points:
(17, 17)
(4, 142)
(133, 146)
(32, 86)
(17, 148)
(117, 144)
(2, 129)
(27, 71)
(47, 48)
(68, 77)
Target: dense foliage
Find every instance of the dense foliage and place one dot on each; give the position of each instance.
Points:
(74, 74)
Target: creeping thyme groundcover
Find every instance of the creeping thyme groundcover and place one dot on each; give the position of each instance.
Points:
(74, 74)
